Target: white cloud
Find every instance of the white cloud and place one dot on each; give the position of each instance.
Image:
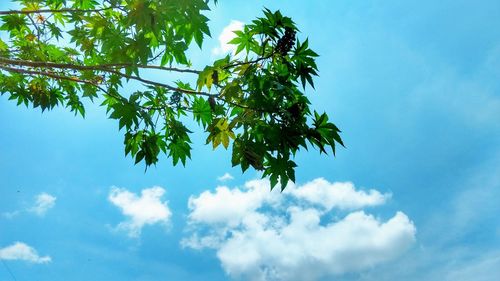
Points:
(228, 206)
(263, 235)
(342, 195)
(23, 252)
(146, 209)
(227, 35)
(225, 177)
(44, 202)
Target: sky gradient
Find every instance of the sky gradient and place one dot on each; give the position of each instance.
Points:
(413, 85)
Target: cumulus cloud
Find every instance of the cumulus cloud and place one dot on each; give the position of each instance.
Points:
(227, 35)
(342, 195)
(225, 177)
(44, 202)
(262, 235)
(22, 252)
(229, 206)
(146, 209)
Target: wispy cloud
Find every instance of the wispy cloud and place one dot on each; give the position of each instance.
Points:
(457, 241)
(292, 236)
(10, 215)
(44, 202)
(146, 209)
(22, 252)
(485, 268)
(225, 177)
(227, 35)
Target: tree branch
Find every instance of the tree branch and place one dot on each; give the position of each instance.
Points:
(101, 67)
(249, 62)
(97, 68)
(175, 69)
(52, 11)
(51, 75)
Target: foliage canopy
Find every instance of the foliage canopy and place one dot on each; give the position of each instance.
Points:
(60, 52)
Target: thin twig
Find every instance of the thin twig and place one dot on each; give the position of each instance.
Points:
(102, 69)
(64, 10)
(248, 62)
(51, 75)
(174, 69)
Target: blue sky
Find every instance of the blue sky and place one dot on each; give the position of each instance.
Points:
(415, 87)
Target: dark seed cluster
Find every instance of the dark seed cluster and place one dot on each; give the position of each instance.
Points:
(175, 99)
(212, 103)
(215, 77)
(286, 42)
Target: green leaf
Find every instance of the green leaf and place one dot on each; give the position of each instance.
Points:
(280, 169)
(13, 22)
(202, 111)
(205, 78)
(179, 150)
(126, 113)
(220, 133)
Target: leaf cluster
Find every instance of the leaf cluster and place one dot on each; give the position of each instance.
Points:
(59, 52)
